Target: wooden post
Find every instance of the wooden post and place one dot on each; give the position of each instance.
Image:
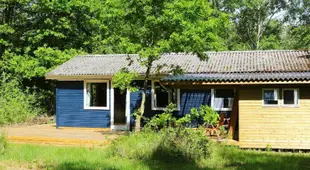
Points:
(233, 116)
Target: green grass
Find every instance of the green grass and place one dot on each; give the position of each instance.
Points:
(223, 157)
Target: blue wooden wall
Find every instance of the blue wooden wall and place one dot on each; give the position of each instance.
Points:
(189, 98)
(70, 110)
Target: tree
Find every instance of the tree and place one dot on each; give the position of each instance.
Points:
(38, 35)
(154, 27)
(299, 19)
(256, 24)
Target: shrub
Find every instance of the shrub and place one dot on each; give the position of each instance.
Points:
(136, 145)
(3, 143)
(16, 105)
(163, 120)
(183, 144)
(166, 119)
(172, 144)
(207, 114)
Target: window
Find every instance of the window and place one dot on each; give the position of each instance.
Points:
(96, 95)
(223, 99)
(270, 97)
(290, 97)
(162, 96)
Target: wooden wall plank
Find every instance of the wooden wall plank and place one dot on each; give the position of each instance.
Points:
(281, 127)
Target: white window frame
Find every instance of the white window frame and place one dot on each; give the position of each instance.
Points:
(86, 98)
(213, 92)
(278, 97)
(153, 98)
(296, 98)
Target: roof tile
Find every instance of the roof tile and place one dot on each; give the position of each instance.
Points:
(270, 61)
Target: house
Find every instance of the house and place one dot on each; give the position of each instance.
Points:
(265, 95)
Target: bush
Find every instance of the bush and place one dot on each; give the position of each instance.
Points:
(136, 145)
(162, 120)
(166, 119)
(168, 144)
(183, 144)
(207, 114)
(3, 143)
(16, 105)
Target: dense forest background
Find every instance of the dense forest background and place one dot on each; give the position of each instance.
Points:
(38, 35)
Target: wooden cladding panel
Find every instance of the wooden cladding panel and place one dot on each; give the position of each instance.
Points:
(279, 126)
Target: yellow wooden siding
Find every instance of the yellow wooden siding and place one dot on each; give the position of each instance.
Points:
(280, 127)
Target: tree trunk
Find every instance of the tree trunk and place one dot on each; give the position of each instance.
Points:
(142, 106)
(138, 117)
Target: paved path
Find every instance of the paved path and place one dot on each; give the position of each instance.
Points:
(48, 134)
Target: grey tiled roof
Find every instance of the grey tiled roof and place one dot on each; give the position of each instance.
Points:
(219, 63)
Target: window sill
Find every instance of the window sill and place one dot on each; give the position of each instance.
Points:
(268, 106)
(290, 106)
(96, 108)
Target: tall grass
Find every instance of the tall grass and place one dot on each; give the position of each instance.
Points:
(3, 143)
(16, 105)
(17, 156)
(169, 144)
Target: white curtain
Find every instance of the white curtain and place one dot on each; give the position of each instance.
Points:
(219, 103)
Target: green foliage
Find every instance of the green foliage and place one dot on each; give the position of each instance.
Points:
(302, 36)
(166, 119)
(162, 120)
(209, 116)
(298, 15)
(21, 156)
(173, 144)
(268, 147)
(188, 117)
(205, 113)
(183, 144)
(136, 145)
(123, 80)
(3, 143)
(16, 105)
(27, 66)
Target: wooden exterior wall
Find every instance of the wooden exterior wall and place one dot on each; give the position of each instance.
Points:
(280, 127)
(189, 98)
(70, 110)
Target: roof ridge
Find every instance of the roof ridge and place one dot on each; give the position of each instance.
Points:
(103, 55)
(247, 51)
(183, 53)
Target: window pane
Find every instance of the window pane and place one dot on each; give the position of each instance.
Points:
(224, 93)
(270, 97)
(288, 97)
(223, 98)
(98, 94)
(273, 102)
(161, 96)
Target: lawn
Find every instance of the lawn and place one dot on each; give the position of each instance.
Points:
(25, 156)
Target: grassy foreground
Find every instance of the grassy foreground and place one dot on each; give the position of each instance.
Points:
(26, 156)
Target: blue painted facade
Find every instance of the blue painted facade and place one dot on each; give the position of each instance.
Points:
(70, 110)
(189, 98)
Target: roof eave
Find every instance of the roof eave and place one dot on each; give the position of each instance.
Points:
(87, 77)
(266, 82)
(76, 77)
